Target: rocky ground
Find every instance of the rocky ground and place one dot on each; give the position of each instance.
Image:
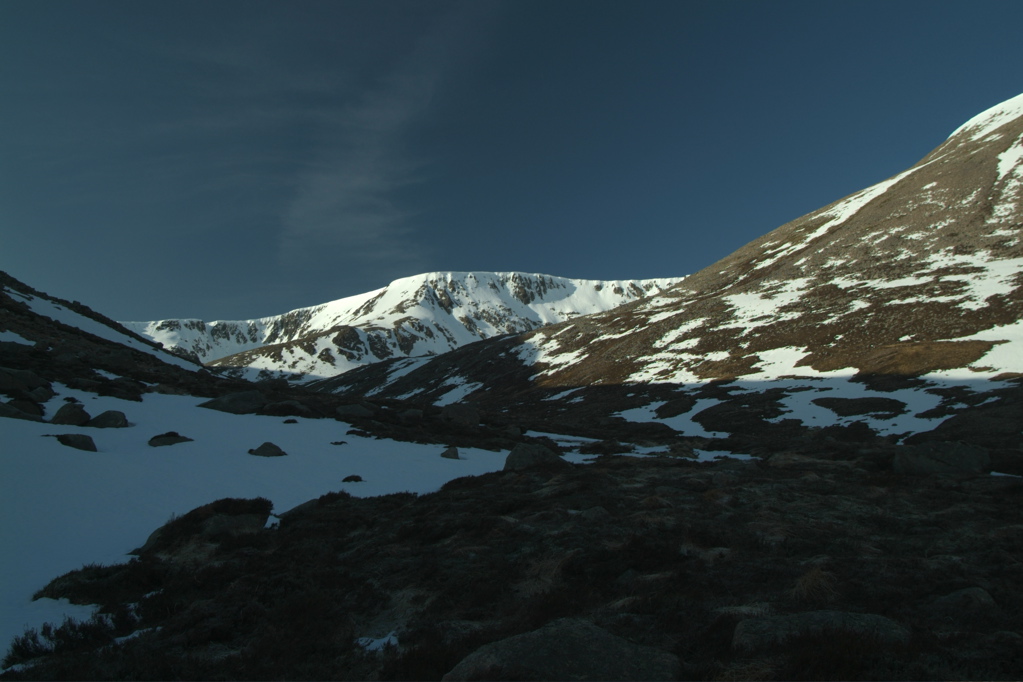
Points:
(830, 554)
(802, 565)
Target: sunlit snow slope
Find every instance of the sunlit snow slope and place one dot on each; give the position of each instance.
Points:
(426, 314)
(919, 276)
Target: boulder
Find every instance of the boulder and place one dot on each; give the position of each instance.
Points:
(71, 414)
(9, 383)
(460, 414)
(450, 453)
(410, 416)
(761, 634)
(27, 406)
(359, 411)
(566, 649)
(526, 455)
(287, 408)
(41, 394)
(232, 525)
(941, 458)
(12, 412)
(268, 450)
(77, 441)
(243, 402)
(972, 601)
(169, 438)
(275, 384)
(20, 379)
(111, 419)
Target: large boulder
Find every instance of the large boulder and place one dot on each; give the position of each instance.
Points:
(941, 458)
(527, 455)
(20, 380)
(27, 406)
(71, 414)
(243, 402)
(187, 539)
(460, 414)
(411, 416)
(287, 408)
(969, 601)
(760, 634)
(358, 411)
(77, 441)
(111, 419)
(566, 649)
(169, 438)
(12, 412)
(267, 450)
(232, 525)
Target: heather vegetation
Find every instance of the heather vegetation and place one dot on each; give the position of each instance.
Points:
(826, 567)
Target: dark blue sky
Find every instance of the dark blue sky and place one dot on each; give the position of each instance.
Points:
(239, 159)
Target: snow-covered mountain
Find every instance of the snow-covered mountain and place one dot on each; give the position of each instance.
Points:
(894, 312)
(426, 314)
(915, 282)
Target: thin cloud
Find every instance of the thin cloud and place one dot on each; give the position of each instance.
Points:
(351, 202)
(348, 200)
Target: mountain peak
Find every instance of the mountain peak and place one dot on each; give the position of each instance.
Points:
(425, 314)
(991, 119)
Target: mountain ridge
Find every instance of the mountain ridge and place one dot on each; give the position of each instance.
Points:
(423, 314)
(917, 278)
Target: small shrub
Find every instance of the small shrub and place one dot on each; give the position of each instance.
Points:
(71, 635)
(816, 586)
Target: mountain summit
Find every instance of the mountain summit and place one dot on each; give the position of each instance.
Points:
(425, 314)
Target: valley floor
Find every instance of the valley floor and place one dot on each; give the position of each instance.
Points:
(827, 566)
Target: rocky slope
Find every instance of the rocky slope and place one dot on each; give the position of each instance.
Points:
(426, 314)
(911, 289)
(797, 568)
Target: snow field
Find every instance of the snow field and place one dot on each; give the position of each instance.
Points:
(478, 305)
(61, 508)
(799, 403)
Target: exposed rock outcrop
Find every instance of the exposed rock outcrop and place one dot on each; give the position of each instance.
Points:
(566, 649)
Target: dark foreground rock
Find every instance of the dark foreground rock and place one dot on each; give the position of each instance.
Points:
(169, 438)
(735, 569)
(77, 441)
(71, 414)
(13, 412)
(566, 649)
(111, 419)
(942, 458)
(762, 634)
(268, 450)
(242, 402)
(527, 455)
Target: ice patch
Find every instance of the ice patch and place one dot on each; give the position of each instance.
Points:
(62, 508)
